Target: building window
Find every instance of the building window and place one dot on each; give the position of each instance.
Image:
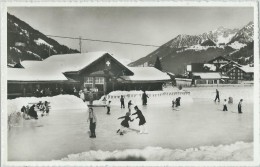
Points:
(99, 80)
(88, 80)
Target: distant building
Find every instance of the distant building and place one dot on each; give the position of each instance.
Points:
(219, 70)
(99, 70)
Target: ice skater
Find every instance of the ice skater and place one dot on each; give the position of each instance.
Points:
(240, 106)
(93, 120)
(47, 108)
(122, 101)
(144, 98)
(173, 103)
(130, 104)
(217, 96)
(178, 102)
(108, 107)
(142, 120)
(124, 123)
(225, 105)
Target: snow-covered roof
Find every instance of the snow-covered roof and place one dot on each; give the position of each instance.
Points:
(209, 75)
(21, 74)
(247, 69)
(146, 74)
(53, 67)
(64, 62)
(211, 67)
(231, 62)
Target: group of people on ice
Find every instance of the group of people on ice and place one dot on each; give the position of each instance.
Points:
(127, 118)
(125, 123)
(31, 112)
(230, 101)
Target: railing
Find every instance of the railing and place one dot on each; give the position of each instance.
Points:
(134, 95)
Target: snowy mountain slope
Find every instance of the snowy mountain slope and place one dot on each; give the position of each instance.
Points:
(244, 35)
(26, 43)
(185, 49)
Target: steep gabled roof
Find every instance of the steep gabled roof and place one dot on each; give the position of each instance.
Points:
(231, 63)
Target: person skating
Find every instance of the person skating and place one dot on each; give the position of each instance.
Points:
(144, 98)
(240, 106)
(173, 103)
(122, 101)
(217, 95)
(108, 107)
(178, 101)
(124, 123)
(129, 106)
(225, 105)
(142, 120)
(47, 108)
(93, 120)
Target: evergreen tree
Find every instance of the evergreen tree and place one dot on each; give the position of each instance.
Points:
(158, 64)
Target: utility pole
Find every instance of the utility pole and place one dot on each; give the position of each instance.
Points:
(80, 44)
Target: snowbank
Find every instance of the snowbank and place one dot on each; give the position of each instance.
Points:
(238, 151)
(59, 102)
(155, 97)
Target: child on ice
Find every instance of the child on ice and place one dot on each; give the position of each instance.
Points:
(142, 120)
(108, 107)
(225, 105)
(124, 123)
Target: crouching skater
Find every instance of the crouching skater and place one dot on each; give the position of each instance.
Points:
(124, 123)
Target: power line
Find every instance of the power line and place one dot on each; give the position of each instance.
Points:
(107, 41)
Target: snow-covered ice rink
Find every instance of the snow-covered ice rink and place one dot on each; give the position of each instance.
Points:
(196, 124)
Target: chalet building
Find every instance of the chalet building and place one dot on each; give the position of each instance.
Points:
(219, 70)
(98, 71)
(239, 74)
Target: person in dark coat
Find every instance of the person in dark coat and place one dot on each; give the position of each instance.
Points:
(240, 106)
(217, 96)
(32, 113)
(47, 107)
(142, 120)
(93, 120)
(122, 101)
(144, 98)
(178, 101)
(124, 123)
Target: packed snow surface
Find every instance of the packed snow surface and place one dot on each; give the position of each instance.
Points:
(196, 131)
(238, 151)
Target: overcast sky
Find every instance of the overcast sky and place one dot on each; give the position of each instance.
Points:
(145, 25)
